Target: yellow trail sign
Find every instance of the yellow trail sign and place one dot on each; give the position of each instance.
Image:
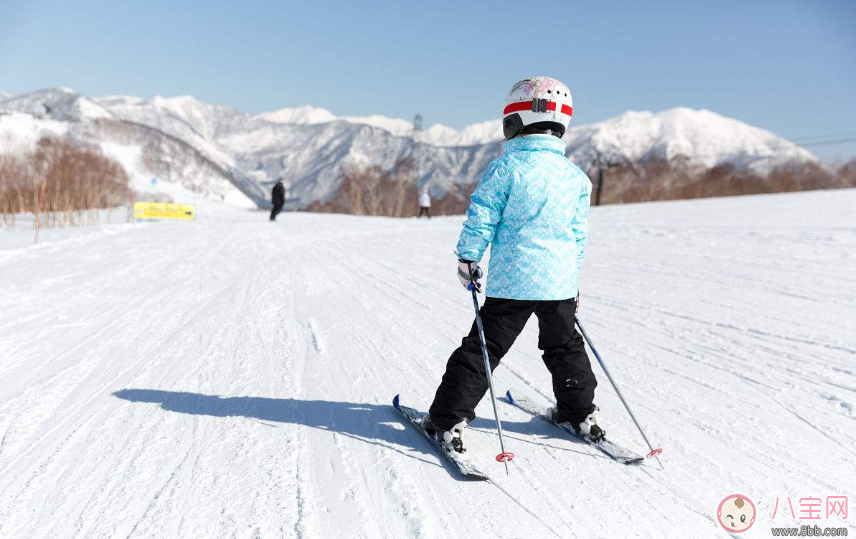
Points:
(163, 210)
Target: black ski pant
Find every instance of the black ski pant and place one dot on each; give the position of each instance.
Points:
(424, 210)
(275, 211)
(464, 383)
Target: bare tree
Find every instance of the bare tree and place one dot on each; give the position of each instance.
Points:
(67, 181)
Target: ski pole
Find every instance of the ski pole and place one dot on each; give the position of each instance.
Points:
(505, 456)
(654, 452)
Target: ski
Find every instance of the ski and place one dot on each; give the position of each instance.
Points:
(606, 447)
(461, 463)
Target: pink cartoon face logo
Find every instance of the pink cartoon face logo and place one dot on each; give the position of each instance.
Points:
(736, 513)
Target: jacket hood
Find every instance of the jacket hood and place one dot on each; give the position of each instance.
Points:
(534, 143)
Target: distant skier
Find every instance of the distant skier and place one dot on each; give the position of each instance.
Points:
(277, 198)
(532, 205)
(424, 203)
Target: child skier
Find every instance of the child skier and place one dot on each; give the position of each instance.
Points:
(532, 205)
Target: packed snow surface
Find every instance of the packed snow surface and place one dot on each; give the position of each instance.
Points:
(232, 377)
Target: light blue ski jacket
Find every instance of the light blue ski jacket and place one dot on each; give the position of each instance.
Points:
(532, 206)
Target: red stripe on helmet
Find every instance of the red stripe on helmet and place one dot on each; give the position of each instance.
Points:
(517, 107)
(527, 105)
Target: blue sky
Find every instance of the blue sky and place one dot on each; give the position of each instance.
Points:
(785, 65)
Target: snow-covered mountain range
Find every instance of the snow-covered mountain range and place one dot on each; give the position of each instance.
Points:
(436, 135)
(310, 146)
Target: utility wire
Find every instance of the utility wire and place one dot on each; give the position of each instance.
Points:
(828, 142)
(813, 138)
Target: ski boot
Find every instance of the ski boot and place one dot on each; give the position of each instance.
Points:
(588, 429)
(450, 439)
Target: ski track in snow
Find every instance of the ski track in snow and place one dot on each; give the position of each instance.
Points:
(232, 377)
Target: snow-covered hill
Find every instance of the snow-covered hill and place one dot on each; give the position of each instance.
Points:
(232, 377)
(143, 148)
(701, 137)
(310, 146)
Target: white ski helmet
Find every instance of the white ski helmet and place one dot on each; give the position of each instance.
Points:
(537, 100)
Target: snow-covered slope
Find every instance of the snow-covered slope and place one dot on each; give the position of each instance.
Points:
(19, 132)
(185, 117)
(232, 377)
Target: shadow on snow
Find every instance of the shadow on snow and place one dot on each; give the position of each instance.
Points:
(375, 424)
